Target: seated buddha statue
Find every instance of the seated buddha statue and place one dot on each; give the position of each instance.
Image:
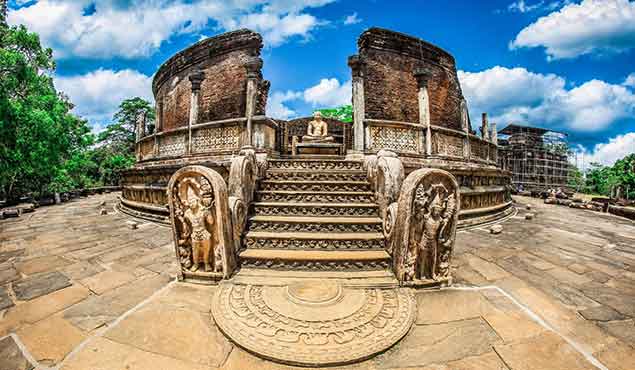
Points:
(317, 131)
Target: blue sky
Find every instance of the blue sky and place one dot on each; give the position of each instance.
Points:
(561, 64)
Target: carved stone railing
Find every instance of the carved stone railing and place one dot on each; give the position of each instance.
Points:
(423, 232)
(216, 137)
(409, 139)
(201, 225)
(242, 184)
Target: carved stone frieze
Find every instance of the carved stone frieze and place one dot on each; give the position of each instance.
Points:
(313, 323)
(216, 138)
(172, 145)
(315, 186)
(310, 197)
(425, 228)
(293, 210)
(311, 176)
(201, 224)
(403, 140)
(331, 244)
(316, 227)
(316, 165)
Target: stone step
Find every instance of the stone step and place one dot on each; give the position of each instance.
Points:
(313, 240)
(312, 175)
(318, 164)
(315, 209)
(315, 185)
(315, 224)
(315, 260)
(356, 279)
(315, 196)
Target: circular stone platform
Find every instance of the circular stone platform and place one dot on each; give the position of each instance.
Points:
(314, 323)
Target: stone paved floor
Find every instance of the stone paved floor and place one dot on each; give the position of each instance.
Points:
(84, 291)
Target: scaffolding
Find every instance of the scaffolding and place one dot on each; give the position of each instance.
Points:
(538, 158)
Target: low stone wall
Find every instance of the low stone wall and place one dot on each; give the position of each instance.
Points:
(628, 212)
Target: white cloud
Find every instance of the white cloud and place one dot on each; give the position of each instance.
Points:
(521, 7)
(608, 153)
(138, 29)
(352, 19)
(630, 80)
(329, 93)
(97, 94)
(518, 95)
(276, 107)
(594, 26)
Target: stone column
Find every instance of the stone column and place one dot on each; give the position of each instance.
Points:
(465, 126)
(141, 126)
(484, 127)
(196, 79)
(159, 126)
(253, 67)
(422, 77)
(493, 134)
(356, 66)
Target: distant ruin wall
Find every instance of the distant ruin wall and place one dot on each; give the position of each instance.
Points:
(390, 59)
(222, 95)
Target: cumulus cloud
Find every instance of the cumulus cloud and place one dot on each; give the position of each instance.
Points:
(276, 107)
(111, 28)
(630, 80)
(97, 94)
(593, 26)
(328, 93)
(518, 95)
(608, 153)
(352, 19)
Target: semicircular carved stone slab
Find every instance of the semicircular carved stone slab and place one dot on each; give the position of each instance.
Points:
(201, 224)
(313, 323)
(424, 232)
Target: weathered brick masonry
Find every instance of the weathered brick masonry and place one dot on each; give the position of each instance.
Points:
(390, 88)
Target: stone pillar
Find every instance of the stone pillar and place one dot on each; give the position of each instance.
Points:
(356, 66)
(196, 79)
(253, 67)
(159, 126)
(141, 126)
(494, 134)
(422, 77)
(484, 127)
(465, 126)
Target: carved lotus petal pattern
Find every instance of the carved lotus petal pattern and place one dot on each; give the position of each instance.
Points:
(356, 324)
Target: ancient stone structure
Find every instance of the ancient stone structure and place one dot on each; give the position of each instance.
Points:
(318, 250)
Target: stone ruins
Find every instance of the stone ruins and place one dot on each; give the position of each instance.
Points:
(315, 229)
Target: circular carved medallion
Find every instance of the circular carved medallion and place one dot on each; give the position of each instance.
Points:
(313, 323)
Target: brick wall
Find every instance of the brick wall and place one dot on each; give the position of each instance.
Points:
(390, 88)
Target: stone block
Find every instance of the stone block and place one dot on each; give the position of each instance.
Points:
(51, 339)
(173, 332)
(513, 326)
(39, 285)
(433, 306)
(440, 343)
(529, 216)
(5, 300)
(496, 229)
(11, 357)
(81, 270)
(547, 351)
(8, 274)
(601, 313)
(10, 212)
(107, 280)
(41, 264)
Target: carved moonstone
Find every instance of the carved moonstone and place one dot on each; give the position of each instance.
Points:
(201, 224)
(313, 323)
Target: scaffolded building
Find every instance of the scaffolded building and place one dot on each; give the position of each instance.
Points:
(538, 158)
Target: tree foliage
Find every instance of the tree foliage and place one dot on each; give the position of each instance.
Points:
(343, 113)
(38, 135)
(602, 179)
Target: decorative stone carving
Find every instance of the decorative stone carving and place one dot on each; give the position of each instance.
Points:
(404, 140)
(386, 178)
(216, 138)
(314, 323)
(201, 224)
(242, 184)
(425, 227)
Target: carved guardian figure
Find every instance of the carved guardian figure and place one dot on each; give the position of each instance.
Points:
(201, 224)
(425, 227)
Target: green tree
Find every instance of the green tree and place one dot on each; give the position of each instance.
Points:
(116, 144)
(343, 113)
(38, 135)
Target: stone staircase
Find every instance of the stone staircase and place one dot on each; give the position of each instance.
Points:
(315, 214)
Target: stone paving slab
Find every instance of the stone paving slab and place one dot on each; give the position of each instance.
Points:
(5, 300)
(11, 357)
(39, 285)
